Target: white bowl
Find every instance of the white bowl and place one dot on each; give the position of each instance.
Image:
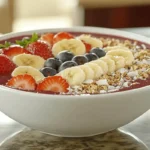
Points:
(75, 116)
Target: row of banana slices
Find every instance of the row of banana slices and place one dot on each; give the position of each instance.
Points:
(114, 60)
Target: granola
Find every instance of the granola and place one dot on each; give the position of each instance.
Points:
(122, 78)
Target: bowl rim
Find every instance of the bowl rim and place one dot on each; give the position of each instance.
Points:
(86, 29)
(98, 30)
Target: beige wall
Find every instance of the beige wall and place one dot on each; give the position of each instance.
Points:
(42, 8)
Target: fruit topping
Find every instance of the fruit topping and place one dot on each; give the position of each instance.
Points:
(54, 84)
(87, 47)
(91, 56)
(110, 63)
(65, 56)
(61, 36)
(24, 82)
(41, 49)
(124, 53)
(80, 59)
(29, 60)
(97, 70)
(102, 64)
(53, 63)
(98, 51)
(48, 71)
(6, 65)
(35, 73)
(48, 37)
(74, 75)
(14, 51)
(88, 71)
(67, 64)
(119, 61)
(73, 45)
(94, 42)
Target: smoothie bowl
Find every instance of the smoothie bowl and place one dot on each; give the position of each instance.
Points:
(74, 82)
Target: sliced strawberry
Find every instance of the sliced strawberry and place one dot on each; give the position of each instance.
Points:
(87, 46)
(54, 84)
(41, 49)
(13, 51)
(24, 82)
(62, 35)
(48, 38)
(6, 65)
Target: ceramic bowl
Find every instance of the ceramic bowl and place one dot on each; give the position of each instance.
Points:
(80, 115)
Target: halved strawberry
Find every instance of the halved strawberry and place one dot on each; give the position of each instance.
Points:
(53, 84)
(62, 35)
(6, 65)
(48, 38)
(41, 49)
(87, 46)
(13, 51)
(24, 82)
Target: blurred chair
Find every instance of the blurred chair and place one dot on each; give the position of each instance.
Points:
(116, 13)
(6, 16)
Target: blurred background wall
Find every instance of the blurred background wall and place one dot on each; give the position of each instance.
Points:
(20, 15)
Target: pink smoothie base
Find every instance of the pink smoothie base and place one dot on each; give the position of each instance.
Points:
(141, 83)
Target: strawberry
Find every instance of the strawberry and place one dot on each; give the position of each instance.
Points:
(62, 35)
(48, 38)
(24, 82)
(6, 65)
(87, 46)
(13, 51)
(40, 48)
(53, 84)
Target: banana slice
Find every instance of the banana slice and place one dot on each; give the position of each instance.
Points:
(102, 64)
(129, 58)
(119, 61)
(96, 68)
(73, 45)
(29, 60)
(94, 42)
(89, 73)
(118, 47)
(110, 63)
(21, 70)
(73, 75)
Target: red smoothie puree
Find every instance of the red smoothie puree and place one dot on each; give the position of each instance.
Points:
(139, 83)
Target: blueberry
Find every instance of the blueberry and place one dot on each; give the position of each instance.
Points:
(98, 51)
(53, 63)
(67, 64)
(47, 71)
(80, 60)
(65, 56)
(91, 56)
